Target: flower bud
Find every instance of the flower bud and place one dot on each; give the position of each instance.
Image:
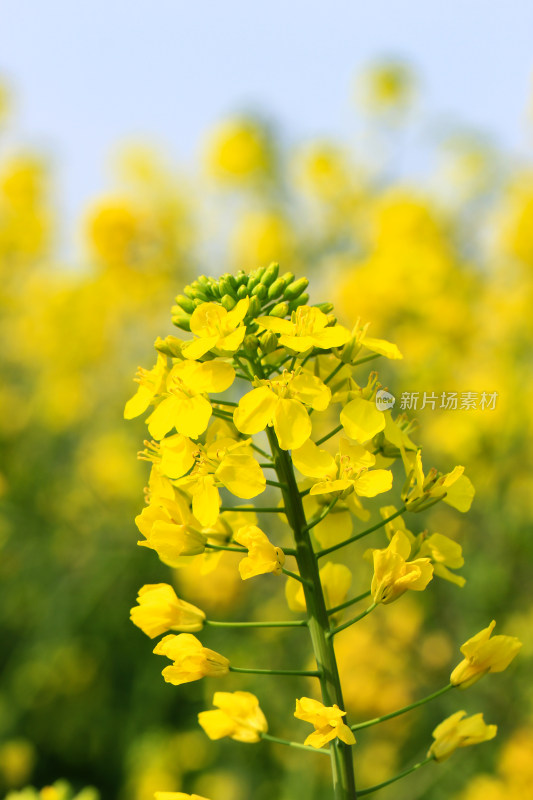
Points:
(228, 302)
(255, 307)
(280, 310)
(169, 346)
(185, 303)
(276, 289)
(268, 342)
(251, 345)
(242, 292)
(326, 308)
(270, 275)
(295, 289)
(298, 301)
(180, 320)
(260, 291)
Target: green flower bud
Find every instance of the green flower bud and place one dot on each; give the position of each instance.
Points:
(280, 310)
(268, 342)
(326, 308)
(185, 303)
(241, 278)
(270, 274)
(228, 285)
(228, 302)
(250, 345)
(299, 301)
(181, 321)
(242, 292)
(295, 289)
(287, 277)
(276, 289)
(254, 308)
(260, 291)
(169, 346)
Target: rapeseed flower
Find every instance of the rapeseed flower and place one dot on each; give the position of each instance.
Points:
(168, 528)
(348, 472)
(394, 574)
(184, 405)
(281, 402)
(456, 732)
(237, 715)
(216, 329)
(262, 556)
(327, 721)
(484, 654)
(307, 328)
(151, 382)
(191, 660)
(160, 610)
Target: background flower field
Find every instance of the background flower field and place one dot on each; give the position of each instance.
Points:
(441, 264)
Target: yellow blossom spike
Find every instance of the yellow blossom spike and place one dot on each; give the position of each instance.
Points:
(262, 556)
(394, 574)
(484, 654)
(160, 610)
(458, 730)
(327, 721)
(216, 329)
(237, 715)
(192, 660)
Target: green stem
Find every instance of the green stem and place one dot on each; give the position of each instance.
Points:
(332, 374)
(226, 547)
(357, 536)
(329, 435)
(352, 621)
(348, 603)
(276, 484)
(268, 738)
(294, 575)
(341, 754)
(268, 466)
(300, 623)
(260, 451)
(403, 710)
(306, 673)
(365, 359)
(396, 777)
(225, 403)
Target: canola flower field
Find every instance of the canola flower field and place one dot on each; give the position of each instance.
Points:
(387, 542)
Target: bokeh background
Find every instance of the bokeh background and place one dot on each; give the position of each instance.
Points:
(384, 152)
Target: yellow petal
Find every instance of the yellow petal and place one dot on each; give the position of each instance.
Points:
(199, 347)
(242, 475)
(255, 410)
(291, 423)
(312, 461)
(373, 482)
(381, 346)
(309, 389)
(361, 419)
(331, 337)
(460, 494)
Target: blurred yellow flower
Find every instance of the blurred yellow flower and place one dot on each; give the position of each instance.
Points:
(456, 732)
(237, 715)
(484, 654)
(238, 151)
(386, 87)
(160, 610)
(178, 796)
(191, 660)
(327, 721)
(335, 579)
(394, 574)
(262, 556)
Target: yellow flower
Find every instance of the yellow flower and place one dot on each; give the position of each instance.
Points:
(327, 721)
(191, 660)
(394, 574)
(184, 405)
(262, 556)
(150, 382)
(307, 328)
(281, 402)
(359, 339)
(348, 472)
(444, 553)
(224, 462)
(178, 796)
(160, 610)
(238, 150)
(456, 732)
(238, 716)
(386, 87)
(166, 525)
(454, 488)
(484, 654)
(216, 328)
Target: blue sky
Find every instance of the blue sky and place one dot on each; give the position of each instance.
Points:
(89, 75)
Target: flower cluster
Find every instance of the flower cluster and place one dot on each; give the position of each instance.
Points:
(262, 362)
